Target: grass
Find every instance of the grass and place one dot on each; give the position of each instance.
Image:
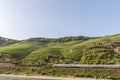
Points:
(19, 50)
(41, 53)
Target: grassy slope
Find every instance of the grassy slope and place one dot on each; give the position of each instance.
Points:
(20, 50)
(93, 51)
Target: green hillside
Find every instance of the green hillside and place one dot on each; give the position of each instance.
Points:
(79, 49)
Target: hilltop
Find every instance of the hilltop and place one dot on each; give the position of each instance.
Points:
(6, 41)
(71, 49)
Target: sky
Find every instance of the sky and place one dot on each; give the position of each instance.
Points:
(22, 19)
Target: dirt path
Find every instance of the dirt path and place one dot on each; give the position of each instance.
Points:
(47, 77)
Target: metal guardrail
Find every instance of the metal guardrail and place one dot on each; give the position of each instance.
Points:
(85, 66)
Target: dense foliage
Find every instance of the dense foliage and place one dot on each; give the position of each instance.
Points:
(62, 39)
(112, 74)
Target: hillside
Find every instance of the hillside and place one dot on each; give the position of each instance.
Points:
(48, 51)
(6, 41)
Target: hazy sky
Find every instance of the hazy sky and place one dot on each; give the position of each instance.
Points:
(21, 19)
